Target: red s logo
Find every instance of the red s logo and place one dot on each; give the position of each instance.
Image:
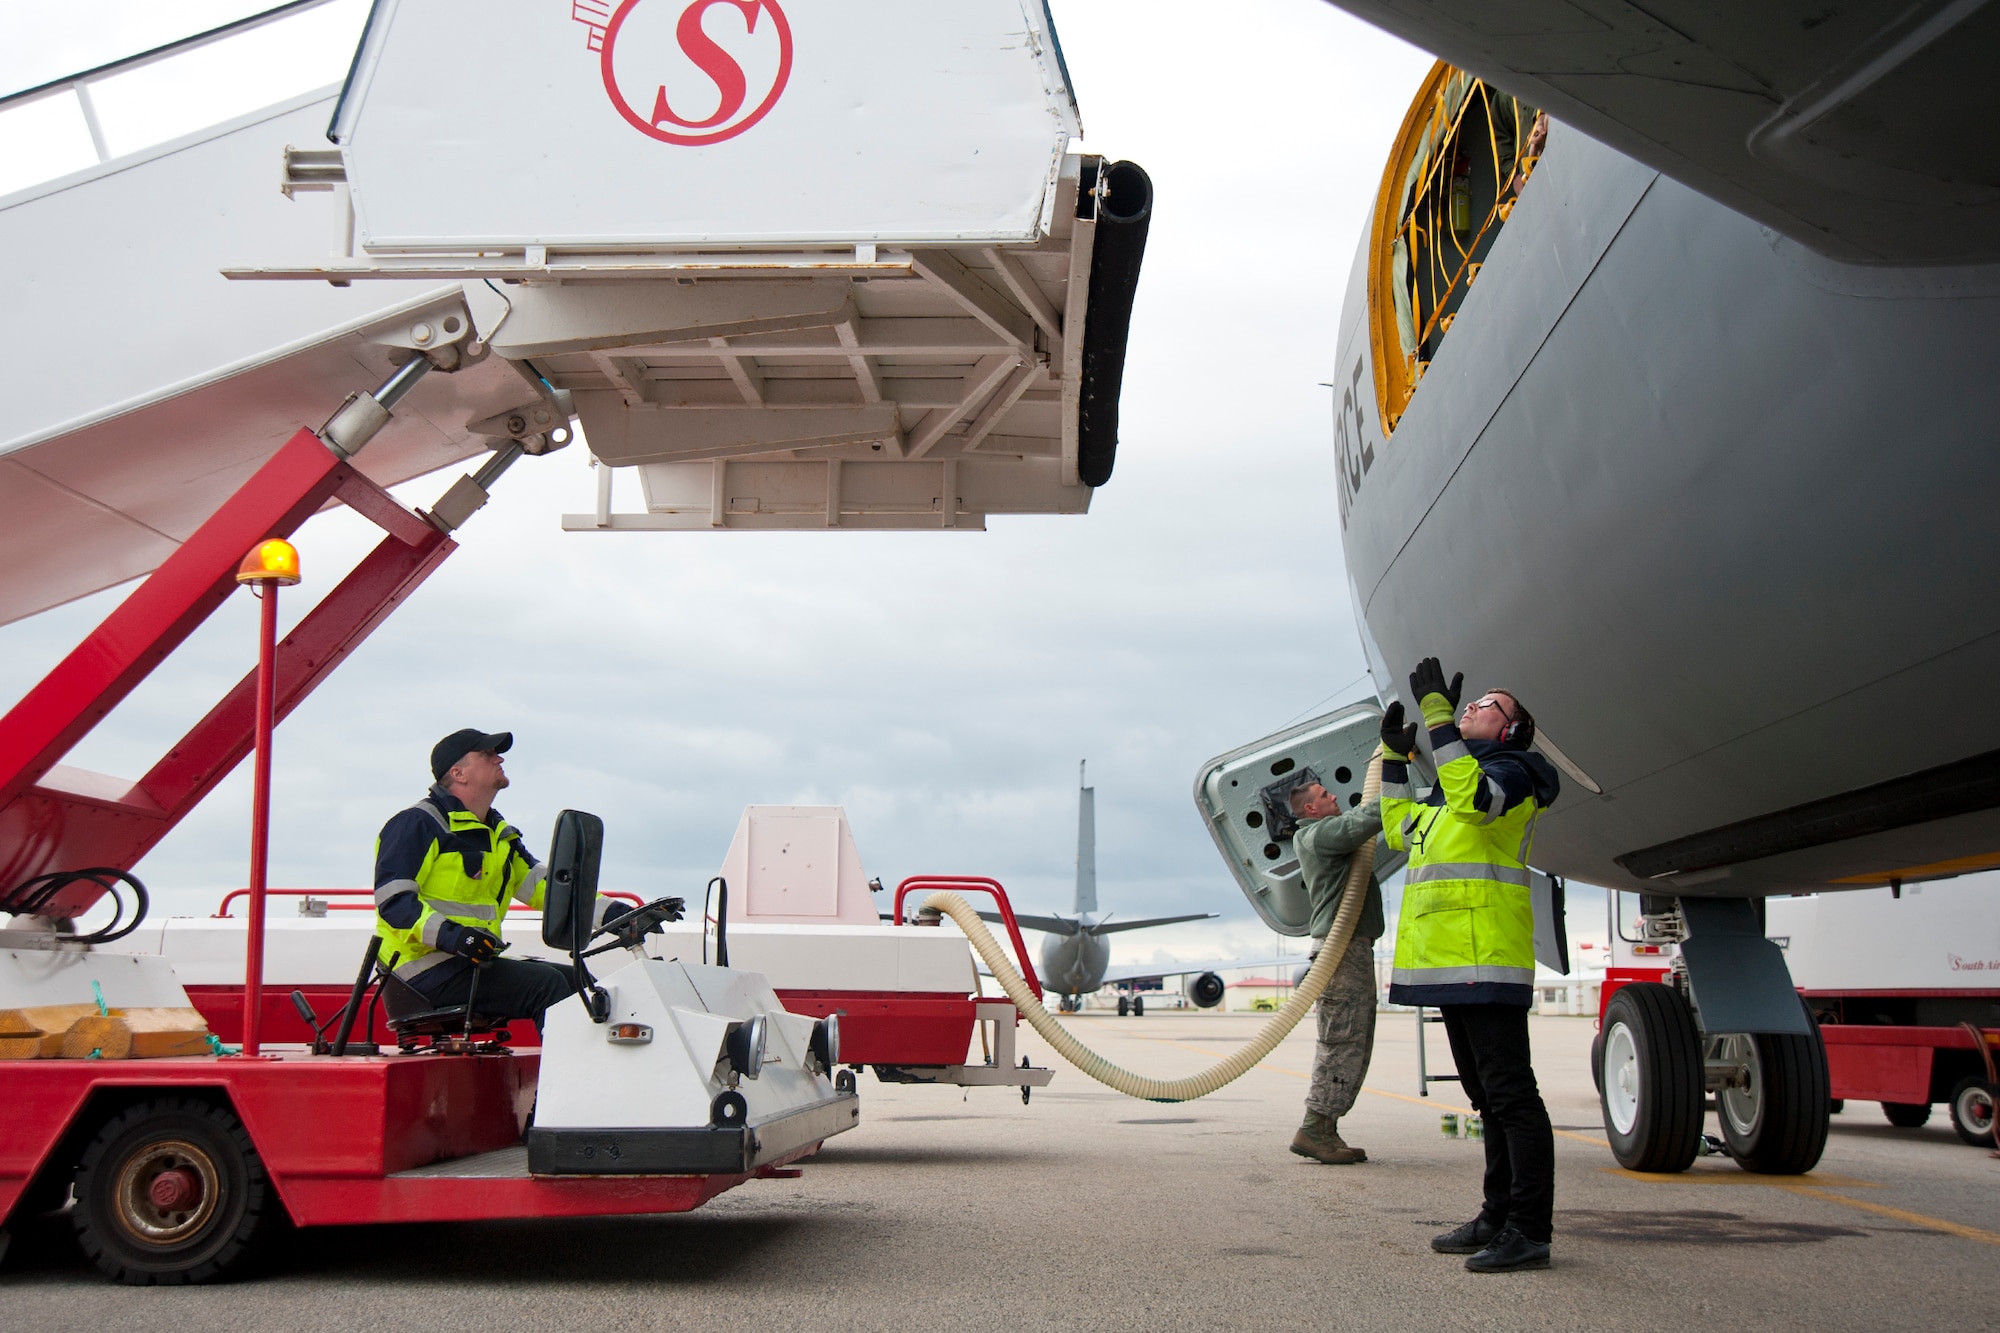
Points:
(642, 57)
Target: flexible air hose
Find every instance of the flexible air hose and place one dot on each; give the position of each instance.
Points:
(1223, 1072)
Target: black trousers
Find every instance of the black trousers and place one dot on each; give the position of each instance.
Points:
(508, 987)
(1490, 1044)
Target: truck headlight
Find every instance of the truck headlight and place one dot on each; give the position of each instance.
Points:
(826, 1042)
(745, 1046)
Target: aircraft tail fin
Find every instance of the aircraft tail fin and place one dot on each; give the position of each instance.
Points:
(1086, 844)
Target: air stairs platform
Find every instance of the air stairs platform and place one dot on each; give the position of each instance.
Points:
(808, 265)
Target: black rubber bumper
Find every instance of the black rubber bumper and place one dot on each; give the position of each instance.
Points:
(698, 1151)
(1123, 216)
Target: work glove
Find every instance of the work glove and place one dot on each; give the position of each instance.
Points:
(1399, 738)
(1438, 700)
(481, 946)
(613, 909)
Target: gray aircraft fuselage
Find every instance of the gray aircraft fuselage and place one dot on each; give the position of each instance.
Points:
(1722, 512)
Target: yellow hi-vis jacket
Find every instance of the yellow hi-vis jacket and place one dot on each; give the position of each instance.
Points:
(1466, 933)
(436, 862)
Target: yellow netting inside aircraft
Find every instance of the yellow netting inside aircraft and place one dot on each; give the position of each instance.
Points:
(1460, 162)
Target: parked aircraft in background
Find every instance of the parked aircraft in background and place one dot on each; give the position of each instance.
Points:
(1076, 956)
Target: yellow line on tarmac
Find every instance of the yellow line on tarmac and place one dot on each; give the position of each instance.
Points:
(1900, 1214)
(1815, 1186)
(1789, 1186)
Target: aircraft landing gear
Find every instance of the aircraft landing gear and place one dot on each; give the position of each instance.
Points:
(1774, 1114)
(1650, 1079)
(1124, 1006)
(1654, 1064)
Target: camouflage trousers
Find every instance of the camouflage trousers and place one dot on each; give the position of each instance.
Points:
(1346, 1032)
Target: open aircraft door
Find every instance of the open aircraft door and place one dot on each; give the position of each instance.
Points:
(1242, 798)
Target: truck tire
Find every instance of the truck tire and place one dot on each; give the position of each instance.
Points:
(1906, 1115)
(171, 1191)
(1650, 1079)
(1972, 1103)
(1778, 1125)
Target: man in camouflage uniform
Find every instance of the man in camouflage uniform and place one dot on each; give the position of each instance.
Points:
(1326, 842)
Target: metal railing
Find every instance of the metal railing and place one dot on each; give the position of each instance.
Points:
(978, 883)
(79, 84)
(230, 897)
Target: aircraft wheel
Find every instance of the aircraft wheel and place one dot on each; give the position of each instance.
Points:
(1124, 1006)
(171, 1191)
(1650, 1079)
(1777, 1125)
(1972, 1109)
(1906, 1115)
(1138, 1006)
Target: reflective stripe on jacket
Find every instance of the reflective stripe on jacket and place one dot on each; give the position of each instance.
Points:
(459, 867)
(1466, 933)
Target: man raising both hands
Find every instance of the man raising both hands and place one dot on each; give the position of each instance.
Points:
(1465, 940)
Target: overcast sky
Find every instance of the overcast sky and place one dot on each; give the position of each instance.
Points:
(941, 687)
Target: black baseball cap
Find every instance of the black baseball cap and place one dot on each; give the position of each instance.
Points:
(464, 742)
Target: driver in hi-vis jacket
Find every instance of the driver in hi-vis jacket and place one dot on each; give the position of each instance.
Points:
(446, 871)
(1465, 940)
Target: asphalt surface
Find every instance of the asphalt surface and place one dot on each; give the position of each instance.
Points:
(1087, 1209)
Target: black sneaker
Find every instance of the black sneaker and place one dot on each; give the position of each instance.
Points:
(1510, 1252)
(1471, 1238)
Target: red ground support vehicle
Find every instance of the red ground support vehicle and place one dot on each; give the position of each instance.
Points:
(180, 1165)
(1905, 987)
(908, 998)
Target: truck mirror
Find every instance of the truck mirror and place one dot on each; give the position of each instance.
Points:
(569, 908)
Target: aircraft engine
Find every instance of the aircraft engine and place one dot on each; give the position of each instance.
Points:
(1205, 990)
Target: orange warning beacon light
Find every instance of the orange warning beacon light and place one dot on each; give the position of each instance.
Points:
(271, 565)
(274, 561)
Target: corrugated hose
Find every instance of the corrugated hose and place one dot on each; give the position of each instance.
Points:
(1353, 894)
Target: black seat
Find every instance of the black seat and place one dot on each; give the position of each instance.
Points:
(413, 1016)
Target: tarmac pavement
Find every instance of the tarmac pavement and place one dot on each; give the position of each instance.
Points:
(1088, 1209)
